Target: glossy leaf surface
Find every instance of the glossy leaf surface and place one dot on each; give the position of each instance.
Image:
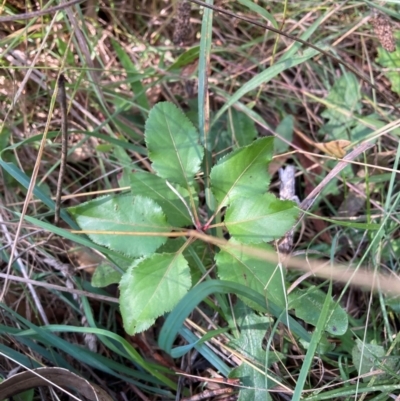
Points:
(308, 305)
(152, 287)
(243, 172)
(156, 188)
(264, 277)
(118, 217)
(173, 144)
(261, 218)
(250, 344)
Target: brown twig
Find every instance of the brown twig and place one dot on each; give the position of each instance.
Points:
(39, 13)
(312, 196)
(64, 145)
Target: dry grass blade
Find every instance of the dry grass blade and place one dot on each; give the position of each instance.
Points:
(119, 62)
(35, 170)
(389, 284)
(308, 202)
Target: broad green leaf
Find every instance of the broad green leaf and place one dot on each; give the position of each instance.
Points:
(285, 130)
(152, 287)
(369, 357)
(250, 345)
(264, 277)
(173, 144)
(243, 172)
(197, 254)
(261, 218)
(308, 304)
(344, 95)
(105, 275)
(123, 213)
(154, 187)
(241, 128)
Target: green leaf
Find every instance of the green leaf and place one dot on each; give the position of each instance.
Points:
(105, 275)
(197, 254)
(241, 128)
(308, 305)
(154, 187)
(261, 218)
(369, 357)
(65, 51)
(344, 95)
(152, 287)
(285, 130)
(250, 344)
(173, 144)
(243, 172)
(264, 277)
(176, 318)
(127, 214)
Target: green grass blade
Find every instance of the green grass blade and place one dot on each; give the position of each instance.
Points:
(24, 180)
(265, 77)
(315, 339)
(207, 353)
(176, 318)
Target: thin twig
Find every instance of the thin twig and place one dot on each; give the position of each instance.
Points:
(28, 281)
(39, 13)
(64, 145)
(24, 271)
(312, 196)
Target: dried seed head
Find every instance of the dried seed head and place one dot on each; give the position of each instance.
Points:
(384, 31)
(182, 23)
